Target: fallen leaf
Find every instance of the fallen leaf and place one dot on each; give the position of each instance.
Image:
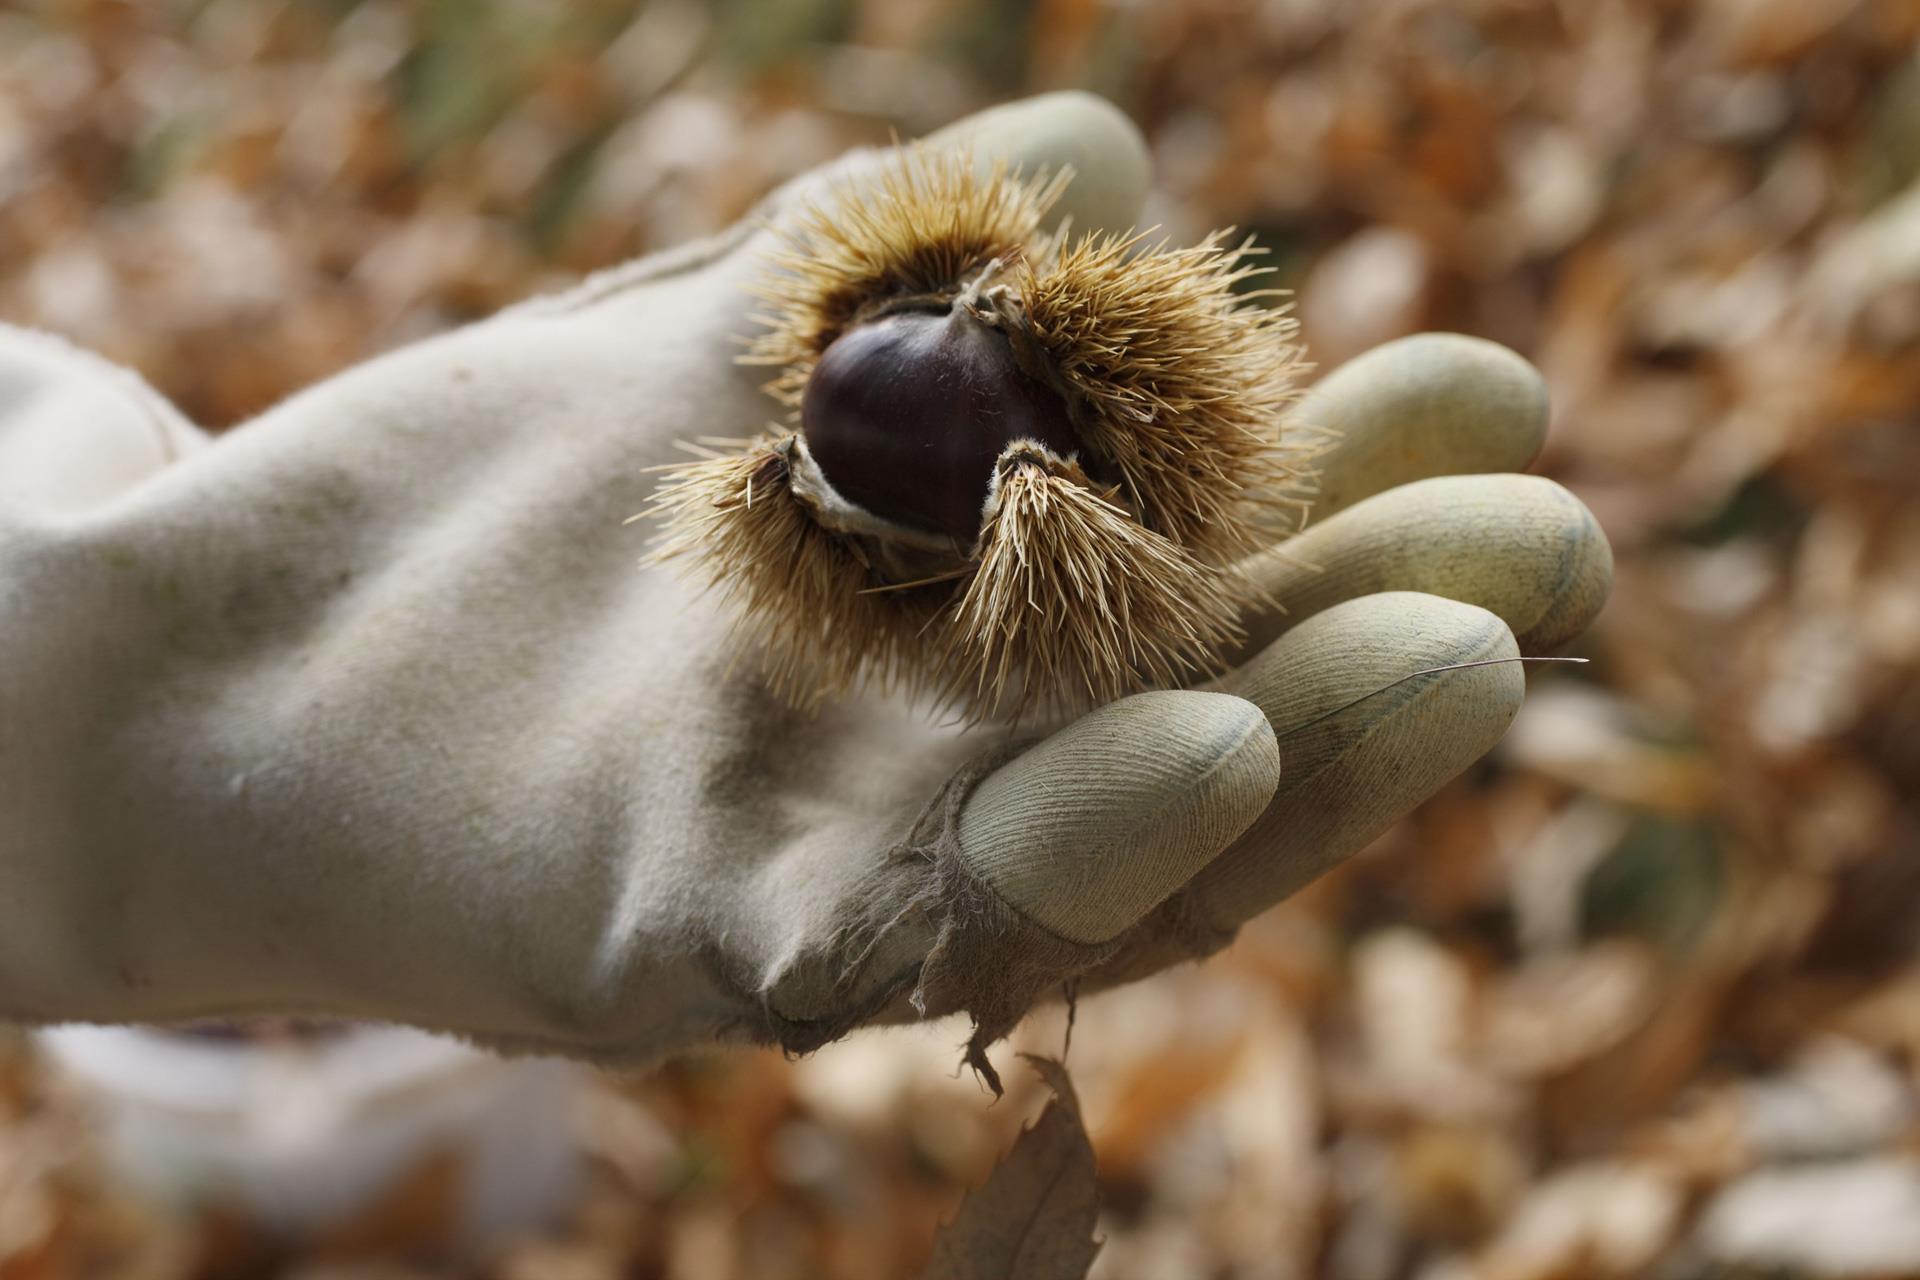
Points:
(1033, 1218)
(1851, 1218)
(415, 1212)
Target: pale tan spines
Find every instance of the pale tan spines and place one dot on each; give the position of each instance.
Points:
(1073, 603)
(924, 226)
(800, 593)
(1181, 384)
(1073, 595)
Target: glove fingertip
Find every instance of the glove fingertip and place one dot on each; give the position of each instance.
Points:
(1068, 129)
(1430, 404)
(1584, 582)
(1381, 701)
(1099, 824)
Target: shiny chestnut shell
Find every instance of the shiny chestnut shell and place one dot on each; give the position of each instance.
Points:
(906, 415)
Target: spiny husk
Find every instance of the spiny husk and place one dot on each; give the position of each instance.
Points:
(1075, 603)
(921, 228)
(1180, 383)
(1075, 592)
(799, 592)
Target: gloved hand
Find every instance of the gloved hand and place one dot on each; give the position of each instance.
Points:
(366, 709)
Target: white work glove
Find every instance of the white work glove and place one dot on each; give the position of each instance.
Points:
(366, 708)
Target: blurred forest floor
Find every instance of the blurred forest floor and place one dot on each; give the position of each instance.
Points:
(1638, 996)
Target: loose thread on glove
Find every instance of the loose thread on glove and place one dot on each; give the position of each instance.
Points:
(1415, 675)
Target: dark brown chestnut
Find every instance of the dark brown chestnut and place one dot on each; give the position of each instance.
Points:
(906, 415)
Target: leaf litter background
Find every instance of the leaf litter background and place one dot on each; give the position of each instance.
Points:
(1638, 996)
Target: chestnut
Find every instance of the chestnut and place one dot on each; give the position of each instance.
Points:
(907, 414)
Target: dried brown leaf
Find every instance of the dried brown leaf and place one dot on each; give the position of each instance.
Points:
(1033, 1218)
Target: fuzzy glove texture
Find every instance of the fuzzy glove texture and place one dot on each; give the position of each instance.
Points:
(365, 709)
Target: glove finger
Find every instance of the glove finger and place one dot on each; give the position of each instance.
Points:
(1520, 546)
(1090, 135)
(1353, 763)
(1105, 150)
(1098, 824)
(1434, 404)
